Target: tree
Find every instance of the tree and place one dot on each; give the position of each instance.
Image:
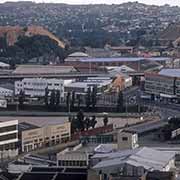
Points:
(73, 99)
(120, 102)
(93, 122)
(73, 122)
(21, 98)
(87, 123)
(46, 101)
(94, 96)
(57, 98)
(79, 100)
(88, 98)
(68, 99)
(52, 99)
(80, 120)
(105, 120)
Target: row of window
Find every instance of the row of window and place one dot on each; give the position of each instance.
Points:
(8, 128)
(8, 137)
(72, 163)
(10, 146)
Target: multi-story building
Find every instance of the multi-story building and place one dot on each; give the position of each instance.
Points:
(8, 139)
(35, 87)
(160, 85)
(38, 137)
(165, 84)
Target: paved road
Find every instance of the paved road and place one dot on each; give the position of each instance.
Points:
(166, 110)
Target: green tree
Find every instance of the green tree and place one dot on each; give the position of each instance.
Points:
(94, 96)
(46, 100)
(80, 120)
(52, 99)
(73, 99)
(57, 98)
(93, 122)
(79, 100)
(105, 120)
(68, 101)
(88, 98)
(87, 123)
(21, 98)
(120, 102)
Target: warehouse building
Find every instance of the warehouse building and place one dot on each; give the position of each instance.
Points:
(135, 162)
(41, 70)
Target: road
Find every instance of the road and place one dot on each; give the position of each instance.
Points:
(166, 110)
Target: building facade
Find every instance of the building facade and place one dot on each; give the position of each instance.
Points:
(8, 139)
(127, 140)
(45, 136)
(6, 92)
(35, 87)
(162, 85)
(73, 160)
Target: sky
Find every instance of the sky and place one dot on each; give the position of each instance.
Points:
(157, 2)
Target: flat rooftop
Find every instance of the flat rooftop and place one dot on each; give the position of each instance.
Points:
(26, 126)
(35, 121)
(43, 69)
(170, 72)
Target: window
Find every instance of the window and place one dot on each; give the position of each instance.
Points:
(8, 128)
(8, 137)
(124, 138)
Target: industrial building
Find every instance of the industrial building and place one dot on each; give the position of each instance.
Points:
(134, 162)
(35, 87)
(41, 70)
(165, 84)
(81, 87)
(8, 139)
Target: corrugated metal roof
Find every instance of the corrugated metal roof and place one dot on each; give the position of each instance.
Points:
(146, 157)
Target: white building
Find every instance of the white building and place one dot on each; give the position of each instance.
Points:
(35, 87)
(5, 92)
(8, 139)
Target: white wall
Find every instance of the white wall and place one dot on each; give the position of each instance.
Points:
(35, 87)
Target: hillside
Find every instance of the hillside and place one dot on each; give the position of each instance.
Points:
(93, 25)
(32, 44)
(12, 34)
(172, 32)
